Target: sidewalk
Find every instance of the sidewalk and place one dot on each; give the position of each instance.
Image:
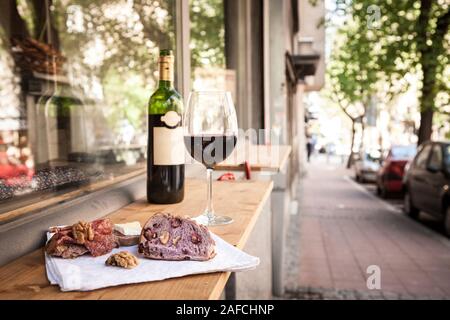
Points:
(341, 229)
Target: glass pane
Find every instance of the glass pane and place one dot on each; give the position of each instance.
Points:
(75, 78)
(421, 160)
(436, 158)
(208, 47)
(403, 152)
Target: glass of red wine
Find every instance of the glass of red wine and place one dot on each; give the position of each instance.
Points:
(210, 135)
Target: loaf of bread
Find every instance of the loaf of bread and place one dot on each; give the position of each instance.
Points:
(165, 237)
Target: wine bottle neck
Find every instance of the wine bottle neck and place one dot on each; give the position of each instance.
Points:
(166, 72)
(165, 84)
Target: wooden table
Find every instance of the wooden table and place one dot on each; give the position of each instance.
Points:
(269, 158)
(25, 277)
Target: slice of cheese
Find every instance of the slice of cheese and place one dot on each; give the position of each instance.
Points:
(129, 229)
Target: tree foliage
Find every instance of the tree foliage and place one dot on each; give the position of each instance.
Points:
(207, 33)
(115, 44)
(352, 75)
(410, 36)
(352, 71)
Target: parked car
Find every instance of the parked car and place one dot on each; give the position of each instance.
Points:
(366, 166)
(427, 182)
(390, 175)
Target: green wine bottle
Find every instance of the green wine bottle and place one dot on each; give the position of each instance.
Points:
(165, 158)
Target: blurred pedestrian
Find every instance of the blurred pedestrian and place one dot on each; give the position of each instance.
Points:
(309, 147)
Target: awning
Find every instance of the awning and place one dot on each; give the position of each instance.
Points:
(302, 65)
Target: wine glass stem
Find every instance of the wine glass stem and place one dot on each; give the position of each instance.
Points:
(209, 208)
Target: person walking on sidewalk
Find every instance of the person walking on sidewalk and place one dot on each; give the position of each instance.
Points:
(309, 147)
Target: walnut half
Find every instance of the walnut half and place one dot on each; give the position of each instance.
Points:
(122, 259)
(82, 231)
(164, 237)
(175, 240)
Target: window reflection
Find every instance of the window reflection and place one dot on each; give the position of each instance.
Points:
(75, 77)
(208, 47)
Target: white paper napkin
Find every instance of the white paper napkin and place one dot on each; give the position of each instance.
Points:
(88, 273)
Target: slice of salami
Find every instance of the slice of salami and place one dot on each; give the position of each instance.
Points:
(102, 244)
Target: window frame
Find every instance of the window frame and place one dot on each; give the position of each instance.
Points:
(183, 54)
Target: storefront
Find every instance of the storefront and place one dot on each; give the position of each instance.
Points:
(75, 80)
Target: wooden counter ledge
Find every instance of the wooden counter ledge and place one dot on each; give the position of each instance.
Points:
(25, 278)
(271, 158)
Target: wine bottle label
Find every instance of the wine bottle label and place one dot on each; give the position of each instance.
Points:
(168, 141)
(166, 68)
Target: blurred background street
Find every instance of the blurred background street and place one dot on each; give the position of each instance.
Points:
(343, 227)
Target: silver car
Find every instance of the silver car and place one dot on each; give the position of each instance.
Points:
(366, 166)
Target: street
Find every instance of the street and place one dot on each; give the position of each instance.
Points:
(342, 228)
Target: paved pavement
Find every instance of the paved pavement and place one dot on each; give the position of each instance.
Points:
(342, 228)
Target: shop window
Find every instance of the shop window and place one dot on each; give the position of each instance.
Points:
(75, 78)
(207, 46)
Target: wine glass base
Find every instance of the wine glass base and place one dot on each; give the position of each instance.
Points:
(214, 220)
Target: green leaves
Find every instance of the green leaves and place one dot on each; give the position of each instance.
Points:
(207, 33)
(411, 36)
(353, 69)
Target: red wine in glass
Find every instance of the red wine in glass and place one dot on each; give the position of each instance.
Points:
(210, 149)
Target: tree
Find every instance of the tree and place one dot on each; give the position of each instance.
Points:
(410, 36)
(351, 75)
